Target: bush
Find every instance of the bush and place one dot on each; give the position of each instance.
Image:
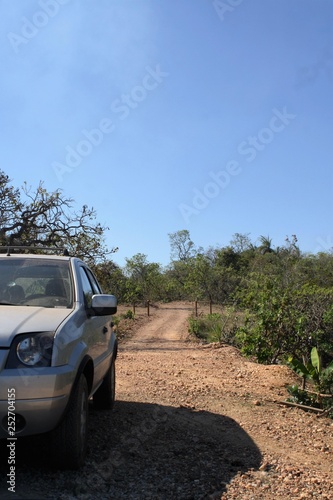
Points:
(216, 327)
(302, 397)
(285, 321)
(128, 315)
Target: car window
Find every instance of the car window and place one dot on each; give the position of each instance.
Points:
(35, 282)
(87, 287)
(94, 283)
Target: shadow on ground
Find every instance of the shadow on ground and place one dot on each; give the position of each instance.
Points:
(141, 451)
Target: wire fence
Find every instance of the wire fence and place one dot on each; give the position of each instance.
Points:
(198, 307)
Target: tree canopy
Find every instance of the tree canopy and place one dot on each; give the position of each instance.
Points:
(39, 218)
(182, 247)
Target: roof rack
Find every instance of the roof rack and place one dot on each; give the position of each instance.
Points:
(31, 249)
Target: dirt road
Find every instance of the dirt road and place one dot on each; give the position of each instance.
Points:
(192, 422)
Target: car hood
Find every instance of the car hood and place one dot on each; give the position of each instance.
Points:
(22, 319)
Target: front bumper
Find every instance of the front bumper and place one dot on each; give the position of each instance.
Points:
(36, 397)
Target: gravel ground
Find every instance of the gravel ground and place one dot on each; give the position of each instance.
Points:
(191, 422)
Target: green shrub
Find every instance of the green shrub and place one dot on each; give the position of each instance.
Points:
(285, 320)
(320, 376)
(128, 315)
(206, 327)
(310, 399)
(215, 327)
(302, 397)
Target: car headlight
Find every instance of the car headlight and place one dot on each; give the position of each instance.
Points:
(31, 350)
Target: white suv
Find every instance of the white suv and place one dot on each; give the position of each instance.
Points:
(57, 350)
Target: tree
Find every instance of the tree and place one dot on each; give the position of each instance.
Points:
(111, 278)
(200, 282)
(175, 279)
(265, 244)
(291, 247)
(39, 218)
(241, 242)
(227, 257)
(144, 279)
(182, 247)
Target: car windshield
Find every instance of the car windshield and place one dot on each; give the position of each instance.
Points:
(35, 282)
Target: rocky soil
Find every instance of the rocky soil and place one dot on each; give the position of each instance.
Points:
(191, 421)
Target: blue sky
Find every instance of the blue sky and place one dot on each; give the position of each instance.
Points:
(214, 116)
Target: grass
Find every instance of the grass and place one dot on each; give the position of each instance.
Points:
(216, 327)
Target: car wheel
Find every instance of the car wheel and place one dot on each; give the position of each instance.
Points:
(69, 439)
(105, 395)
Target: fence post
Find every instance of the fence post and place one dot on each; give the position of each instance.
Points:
(210, 307)
(196, 308)
(148, 301)
(133, 308)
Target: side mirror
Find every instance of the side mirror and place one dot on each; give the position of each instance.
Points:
(104, 304)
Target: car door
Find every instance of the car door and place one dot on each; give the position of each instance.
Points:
(97, 329)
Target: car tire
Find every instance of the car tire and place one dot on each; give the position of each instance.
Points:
(69, 439)
(104, 397)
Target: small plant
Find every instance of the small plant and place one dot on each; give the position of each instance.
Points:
(302, 397)
(215, 327)
(115, 321)
(128, 315)
(322, 378)
(198, 327)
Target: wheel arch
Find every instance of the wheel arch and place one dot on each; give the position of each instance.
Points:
(87, 369)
